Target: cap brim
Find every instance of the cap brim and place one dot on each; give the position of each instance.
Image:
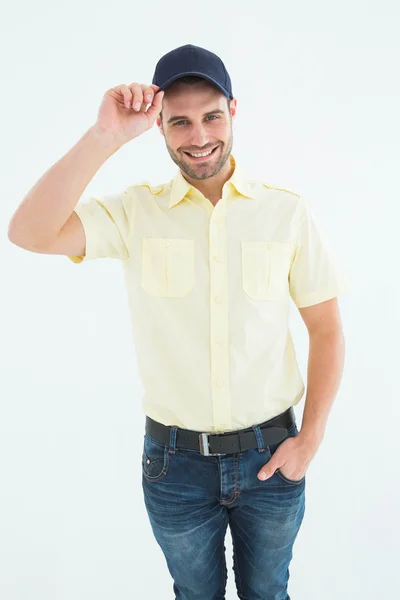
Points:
(202, 75)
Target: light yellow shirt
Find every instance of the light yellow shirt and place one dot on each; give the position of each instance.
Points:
(209, 291)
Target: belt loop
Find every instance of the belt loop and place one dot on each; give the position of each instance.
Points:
(259, 438)
(172, 439)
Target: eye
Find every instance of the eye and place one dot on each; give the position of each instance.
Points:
(184, 120)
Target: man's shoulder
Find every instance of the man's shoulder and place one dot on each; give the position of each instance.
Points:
(147, 188)
(273, 193)
(271, 186)
(276, 199)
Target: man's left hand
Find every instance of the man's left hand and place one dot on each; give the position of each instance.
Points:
(292, 458)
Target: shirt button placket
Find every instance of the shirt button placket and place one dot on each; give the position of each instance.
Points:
(219, 318)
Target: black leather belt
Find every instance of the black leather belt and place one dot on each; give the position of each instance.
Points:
(216, 444)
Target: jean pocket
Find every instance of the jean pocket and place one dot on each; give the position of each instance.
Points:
(292, 432)
(155, 459)
(290, 481)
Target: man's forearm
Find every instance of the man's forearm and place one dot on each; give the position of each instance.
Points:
(49, 204)
(325, 367)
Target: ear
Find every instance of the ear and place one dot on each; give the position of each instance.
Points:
(159, 125)
(233, 107)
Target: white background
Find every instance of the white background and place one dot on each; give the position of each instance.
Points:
(318, 113)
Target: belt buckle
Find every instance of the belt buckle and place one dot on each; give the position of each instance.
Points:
(205, 445)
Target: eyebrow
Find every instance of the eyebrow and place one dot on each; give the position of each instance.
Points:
(217, 111)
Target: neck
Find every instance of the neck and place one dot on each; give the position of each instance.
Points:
(211, 188)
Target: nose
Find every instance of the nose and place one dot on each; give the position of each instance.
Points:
(198, 136)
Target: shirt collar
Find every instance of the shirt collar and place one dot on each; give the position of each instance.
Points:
(180, 186)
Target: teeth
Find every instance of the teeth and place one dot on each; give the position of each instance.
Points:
(202, 154)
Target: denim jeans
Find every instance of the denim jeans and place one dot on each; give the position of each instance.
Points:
(191, 499)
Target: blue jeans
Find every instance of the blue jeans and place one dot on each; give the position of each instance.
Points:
(190, 499)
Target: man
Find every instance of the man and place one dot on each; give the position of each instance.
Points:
(211, 261)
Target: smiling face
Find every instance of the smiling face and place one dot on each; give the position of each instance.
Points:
(196, 119)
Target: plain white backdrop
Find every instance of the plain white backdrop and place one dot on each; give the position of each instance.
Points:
(318, 113)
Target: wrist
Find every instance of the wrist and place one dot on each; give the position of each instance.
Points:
(310, 437)
(107, 138)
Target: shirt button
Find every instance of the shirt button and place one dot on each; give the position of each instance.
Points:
(268, 246)
(219, 383)
(217, 259)
(166, 244)
(218, 299)
(218, 339)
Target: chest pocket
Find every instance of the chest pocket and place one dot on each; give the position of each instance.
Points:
(167, 266)
(265, 269)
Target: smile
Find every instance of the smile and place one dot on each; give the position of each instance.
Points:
(201, 156)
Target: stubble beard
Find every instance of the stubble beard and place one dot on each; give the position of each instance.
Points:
(203, 171)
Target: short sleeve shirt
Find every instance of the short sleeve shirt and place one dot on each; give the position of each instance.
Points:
(209, 290)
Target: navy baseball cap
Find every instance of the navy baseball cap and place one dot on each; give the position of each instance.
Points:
(192, 60)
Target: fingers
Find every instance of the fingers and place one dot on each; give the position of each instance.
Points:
(138, 96)
(147, 96)
(142, 96)
(155, 109)
(126, 93)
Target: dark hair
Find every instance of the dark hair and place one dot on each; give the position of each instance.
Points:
(192, 80)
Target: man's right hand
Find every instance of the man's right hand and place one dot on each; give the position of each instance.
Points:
(128, 111)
